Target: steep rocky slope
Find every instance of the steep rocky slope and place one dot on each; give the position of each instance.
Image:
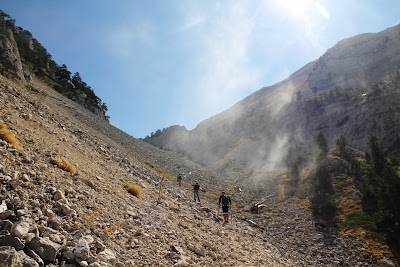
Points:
(49, 217)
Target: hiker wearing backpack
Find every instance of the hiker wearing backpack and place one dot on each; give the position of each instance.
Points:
(226, 203)
(179, 179)
(196, 188)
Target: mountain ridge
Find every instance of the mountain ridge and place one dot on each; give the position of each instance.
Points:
(315, 78)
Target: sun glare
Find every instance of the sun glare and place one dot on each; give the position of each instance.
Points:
(295, 8)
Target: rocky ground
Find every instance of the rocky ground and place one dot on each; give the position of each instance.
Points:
(49, 217)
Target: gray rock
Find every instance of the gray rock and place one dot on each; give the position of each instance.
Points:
(20, 229)
(34, 256)
(68, 253)
(45, 248)
(6, 214)
(66, 209)
(196, 248)
(99, 246)
(27, 261)
(12, 241)
(82, 249)
(6, 225)
(58, 195)
(3, 206)
(107, 256)
(9, 257)
(9, 56)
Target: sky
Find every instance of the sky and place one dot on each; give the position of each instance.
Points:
(160, 63)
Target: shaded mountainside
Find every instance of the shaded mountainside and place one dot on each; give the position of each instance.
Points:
(351, 90)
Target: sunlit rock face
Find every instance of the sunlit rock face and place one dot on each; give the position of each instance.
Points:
(351, 90)
(9, 54)
(358, 61)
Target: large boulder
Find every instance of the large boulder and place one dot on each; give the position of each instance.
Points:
(45, 248)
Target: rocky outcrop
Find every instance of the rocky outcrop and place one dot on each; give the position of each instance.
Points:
(9, 54)
(358, 61)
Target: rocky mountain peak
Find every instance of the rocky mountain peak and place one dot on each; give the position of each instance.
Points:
(357, 61)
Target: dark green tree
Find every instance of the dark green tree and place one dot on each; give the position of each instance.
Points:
(321, 142)
(377, 157)
(341, 144)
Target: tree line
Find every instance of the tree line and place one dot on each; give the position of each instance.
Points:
(39, 62)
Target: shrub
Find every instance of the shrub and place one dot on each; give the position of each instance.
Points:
(9, 136)
(64, 165)
(134, 190)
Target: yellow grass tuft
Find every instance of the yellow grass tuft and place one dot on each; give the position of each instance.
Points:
(112, 229)
(134, 190)
(64, 165)
(9, 136)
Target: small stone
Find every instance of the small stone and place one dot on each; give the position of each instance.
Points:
(99, 245)
(58, 195)
(22, 212)
(3, 206)
(6, 214)
(9, 256)
(196, 248)
(66, 209)
(107, 256)
(82, 249)
(34, 256)
(20, 229)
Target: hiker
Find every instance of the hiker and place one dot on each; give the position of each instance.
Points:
(226, 202)
(196, 188)
(179, 179)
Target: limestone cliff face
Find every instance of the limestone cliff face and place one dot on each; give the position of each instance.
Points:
(9, 54)
(358, 61)
(353, 89)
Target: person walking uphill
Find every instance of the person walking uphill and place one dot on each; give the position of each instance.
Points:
(226, 202)
(179, 179)
(196, 188)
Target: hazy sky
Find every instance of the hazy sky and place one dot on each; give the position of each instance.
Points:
(165, 62)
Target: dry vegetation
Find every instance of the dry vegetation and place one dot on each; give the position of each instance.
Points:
(9, 136)
(134, 190)
(64, 165)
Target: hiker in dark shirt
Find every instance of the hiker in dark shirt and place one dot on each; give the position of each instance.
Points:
(226, 203)
(196, 188)
(179, 179)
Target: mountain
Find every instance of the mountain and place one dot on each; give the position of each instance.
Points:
(76, 191)
(23, 58)
(350, 90)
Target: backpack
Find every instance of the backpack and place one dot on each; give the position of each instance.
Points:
(196, 187)
(225, 200)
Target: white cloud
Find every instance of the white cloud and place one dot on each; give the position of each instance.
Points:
(223, 62)
(322, 10)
